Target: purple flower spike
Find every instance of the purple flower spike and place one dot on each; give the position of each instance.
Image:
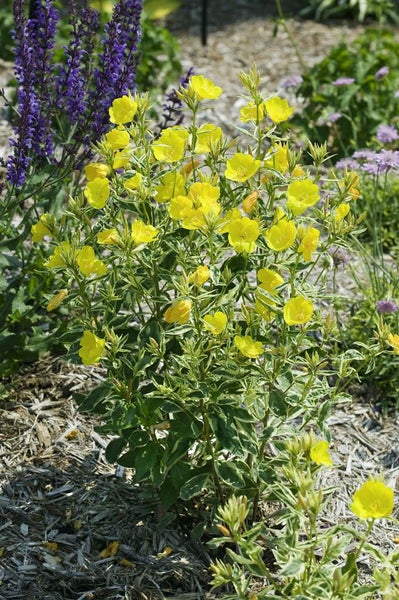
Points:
(386, 134)
(386, 307)
(334, 117)
(343, 81)
(380, 74)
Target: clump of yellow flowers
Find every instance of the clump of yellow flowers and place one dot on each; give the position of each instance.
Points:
(193, 266)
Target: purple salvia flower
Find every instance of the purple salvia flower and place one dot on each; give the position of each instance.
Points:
(386, 307)
(73, 79)
(171, 109)
(116, 73)
(43, 27)
(386, 134)
(28, 103)
(343, 81)
(381, 73)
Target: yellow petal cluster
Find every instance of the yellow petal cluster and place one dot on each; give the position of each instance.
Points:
(178, 312)
(298, 310)
(243, 233)
(122, 110)
(320, 455)
(278, 109)
(200, 275)
(247, 346)
(142, 233)
(88, 263)
(373, 500)
(97, 192)
(92, 348)
(215, 323)
(202, 88)
(241, 167)
(301, 195)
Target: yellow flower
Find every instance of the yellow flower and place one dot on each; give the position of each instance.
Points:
(241, 167)
(341, 211)
(302, 194)
(203, 88)
(179, 207)
(116, 139)
(142, 233)
(243, 233)
(279, 159)
(278, 109)
(40, 229)
(269, 280)
(309, 243)
(121, 160)
(56, 300)
(228, 218)
(108, 237)
(208, 136)
(298, 311)
(133, 182)
(319, 453)
(192, 209)
(60, 254)
(194, 219)
(393, 340)
(252, 112)
(122, 110)
(281, 235)
(88, 263)
(172, 184)
(205, 197)
(249, 203)
(374, 500)
(200, 275)
(247, 346)
(178, 312)
(170, 145)
(92, 348)
(215, 323)
(97, 192)
(94, 170)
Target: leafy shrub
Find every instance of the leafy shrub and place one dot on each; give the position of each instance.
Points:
(351, 92)
(383, 10)
(191, 267)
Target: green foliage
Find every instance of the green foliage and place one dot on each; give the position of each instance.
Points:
(159, 64)
(383, 10)
(361, 105)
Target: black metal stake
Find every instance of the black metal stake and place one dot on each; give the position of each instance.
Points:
(204, 22)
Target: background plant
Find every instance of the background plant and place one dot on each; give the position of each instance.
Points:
(382, 10)
(350, 93)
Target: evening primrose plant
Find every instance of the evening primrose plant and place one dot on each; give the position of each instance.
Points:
(288, 554)
(194, 270)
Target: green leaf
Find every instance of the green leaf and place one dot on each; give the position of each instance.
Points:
(194, 486)
(114, 448)
(293, 568)
(95, 400)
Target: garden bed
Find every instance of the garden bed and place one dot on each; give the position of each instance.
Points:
(61, 503)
